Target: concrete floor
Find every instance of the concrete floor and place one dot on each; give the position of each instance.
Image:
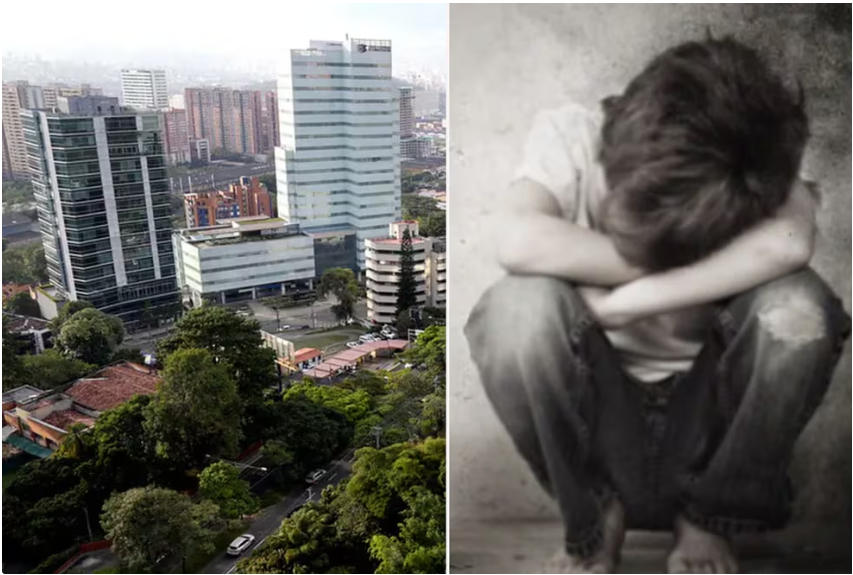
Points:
(524, 547)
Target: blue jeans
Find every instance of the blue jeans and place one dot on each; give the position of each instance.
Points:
(713, 443)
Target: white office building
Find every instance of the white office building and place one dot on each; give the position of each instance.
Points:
(338, 165)
(247, 258)
(144, 89)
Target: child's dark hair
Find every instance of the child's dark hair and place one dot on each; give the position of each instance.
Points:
(703, 144)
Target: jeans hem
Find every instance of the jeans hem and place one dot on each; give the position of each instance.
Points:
(588, 545)
(730, 526)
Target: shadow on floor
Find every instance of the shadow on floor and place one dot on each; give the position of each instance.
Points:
(523, 547)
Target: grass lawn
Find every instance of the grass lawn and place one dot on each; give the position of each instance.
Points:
(8, 477)
(329, 341)
(197, 561)
(107, 569)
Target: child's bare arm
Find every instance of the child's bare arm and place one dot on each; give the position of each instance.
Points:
(769, 250)
(535, 239)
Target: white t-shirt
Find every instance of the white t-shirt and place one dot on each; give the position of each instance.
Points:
(561, 154)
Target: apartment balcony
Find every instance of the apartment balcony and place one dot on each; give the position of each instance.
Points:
(391, 299)
(372, 254)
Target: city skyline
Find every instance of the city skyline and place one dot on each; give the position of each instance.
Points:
(417, 30)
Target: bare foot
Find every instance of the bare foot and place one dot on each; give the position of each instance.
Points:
(699, 551)
(606, 559)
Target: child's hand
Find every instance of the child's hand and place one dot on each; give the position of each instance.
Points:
(600, 302)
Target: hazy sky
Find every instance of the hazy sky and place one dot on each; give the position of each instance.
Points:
(151, 32)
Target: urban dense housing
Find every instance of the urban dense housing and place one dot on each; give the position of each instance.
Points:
(103, 202)
(245, 198)
(236, 121)
(22, 95)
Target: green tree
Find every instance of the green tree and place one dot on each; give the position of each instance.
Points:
(124, 450)
(13, 368)
(196, 410)
(269, 181)
(24, 264)
(429, 350)
(389, 518)
(91, 336)
(65, 313)
(51, 369)
(220, 483)
(43, 509)
(307, 542)
(420, 546)
(417, 207)
(230, 339)
(147, 524)
(341, 283)
(22, 304)
(354, 404)
(311, 432)
(132, 354)
(434, 225)
(407, 286)
(15, 193)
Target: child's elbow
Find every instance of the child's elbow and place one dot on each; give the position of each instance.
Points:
(795, 250)
(510, 256)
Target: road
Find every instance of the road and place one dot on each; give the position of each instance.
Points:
(212, 176)
(319, 315)
(269, 520)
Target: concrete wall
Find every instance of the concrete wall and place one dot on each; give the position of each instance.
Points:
(507, 62)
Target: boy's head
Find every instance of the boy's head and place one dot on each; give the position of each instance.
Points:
(703, 144)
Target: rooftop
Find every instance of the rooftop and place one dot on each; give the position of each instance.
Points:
(306, 354)
(239, 230)
(113, 386)
(15, 218)
(23, 323)
(66, 418)
(21, 394)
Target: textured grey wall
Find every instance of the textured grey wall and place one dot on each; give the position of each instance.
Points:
(507, 62)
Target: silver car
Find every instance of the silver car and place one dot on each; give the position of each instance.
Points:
(239, 545)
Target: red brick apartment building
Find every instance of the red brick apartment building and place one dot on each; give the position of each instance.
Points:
(245, 198)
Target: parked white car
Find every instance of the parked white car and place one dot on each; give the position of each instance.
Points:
(239, 545)
(352, 344)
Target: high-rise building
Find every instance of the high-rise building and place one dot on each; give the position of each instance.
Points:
(408, 139)
(200, 150)
(270, 122)
(338, 165)
(176, 138)
(383, 271)
(22, 95)
(230, 119)
(176, 102)
(53, 92)
(87, 105)
(102, 192)
(247, 122)
(246, 198)
(407, 116)
(14, 146)
(144, 89)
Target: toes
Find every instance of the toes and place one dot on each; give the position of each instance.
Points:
(678, 565)
(708, 567)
